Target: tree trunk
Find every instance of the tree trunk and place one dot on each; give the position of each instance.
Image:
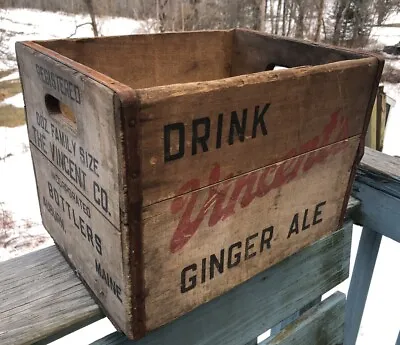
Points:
(89, 5)
(381, 10)
(284, 17)
(292, 13)
(324, 28)
(263, 10)
(340, 11)
(278, 14)
(300, 20)
(258, 15)
(162, 14)
(319, 20)
(271, 13)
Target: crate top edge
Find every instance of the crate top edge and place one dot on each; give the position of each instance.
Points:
(127, 93)
(356, 53)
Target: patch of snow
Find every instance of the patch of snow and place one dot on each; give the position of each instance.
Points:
(16, 100)
(12, 76)
(385, 35)
(88, 334)
(27, 24)
(391, 143)
(18, 197)
(394, 18)
(13, 141)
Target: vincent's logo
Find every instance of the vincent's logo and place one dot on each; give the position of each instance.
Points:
(255, 184)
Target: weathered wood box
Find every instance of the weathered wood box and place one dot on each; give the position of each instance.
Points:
(173, 167)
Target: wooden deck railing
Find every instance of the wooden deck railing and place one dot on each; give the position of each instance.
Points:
(377, 186)
(41, 299)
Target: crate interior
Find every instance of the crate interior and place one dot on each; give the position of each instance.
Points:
(143, 61)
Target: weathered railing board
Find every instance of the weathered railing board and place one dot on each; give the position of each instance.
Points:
(377, 185)
(260, 303)
(379, 211)
(276, 329)
(360, 282)
(252, 342)
(383, 165)
(321, 325)
(41, 298)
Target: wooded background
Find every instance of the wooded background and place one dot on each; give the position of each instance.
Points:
(341, 22)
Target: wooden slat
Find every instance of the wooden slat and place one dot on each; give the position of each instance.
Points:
(41, 298)
(260, 303)
(155, 63)
(305, 102)
(377, 186)
(169, 275)
(277, 328)
(384, 165)
(321, 325)
(254, 51)
(360, 281)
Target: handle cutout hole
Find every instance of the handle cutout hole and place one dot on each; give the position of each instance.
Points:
(274, 67)
(59, 109)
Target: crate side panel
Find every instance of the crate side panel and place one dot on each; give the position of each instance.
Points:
(253, 51)
(76, 172)
(85, 153)
(247, 122)
(91, 244)
(200, 245)
(142, 61)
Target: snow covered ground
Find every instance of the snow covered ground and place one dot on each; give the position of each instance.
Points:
(26, 24)
(18, 196)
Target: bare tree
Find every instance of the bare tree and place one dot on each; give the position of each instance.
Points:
(341, 7)
(90, 8)
(278, 14)
(384, 8)
(320, 11)
(299, 33)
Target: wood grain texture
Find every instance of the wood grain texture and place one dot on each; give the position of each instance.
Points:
(108, 132)
(377, 186)
(77, 173)
(217, 240)
(80, 152)
(367, 253)
(142, 61)
(254, 51)
(303, 109)
(255, 306)
(277, 328)
(382, 164)
(41, 298)
(321, 325)
(91, 244)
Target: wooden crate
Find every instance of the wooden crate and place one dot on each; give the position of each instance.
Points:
(173, 167)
